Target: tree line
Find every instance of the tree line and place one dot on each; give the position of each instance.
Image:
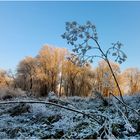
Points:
(52, 70)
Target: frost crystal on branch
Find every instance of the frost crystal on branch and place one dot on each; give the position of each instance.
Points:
(83, 37)
(79, 36)
(116, 52)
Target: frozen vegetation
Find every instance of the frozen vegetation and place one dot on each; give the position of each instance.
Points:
(36, 120)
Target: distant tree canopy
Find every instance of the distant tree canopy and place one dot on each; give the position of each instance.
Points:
(52, 70)
(131, 80)
(104, 80)
(40, 74)
(5, 80)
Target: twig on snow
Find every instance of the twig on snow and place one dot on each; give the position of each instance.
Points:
(126, 104)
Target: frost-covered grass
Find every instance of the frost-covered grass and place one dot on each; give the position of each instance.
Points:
(47, 121)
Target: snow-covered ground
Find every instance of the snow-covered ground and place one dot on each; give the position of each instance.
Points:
(48, 121)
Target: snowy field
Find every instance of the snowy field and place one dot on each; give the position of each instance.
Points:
(47, 121)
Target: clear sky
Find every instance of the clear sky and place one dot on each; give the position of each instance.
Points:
(26, 26)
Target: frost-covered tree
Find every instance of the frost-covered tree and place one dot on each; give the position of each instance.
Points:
(4, 79)
(50, 64)
(77, 81)
(104, 80)
(131, 80)
(26, 73)
(84, 38)
(40, 74)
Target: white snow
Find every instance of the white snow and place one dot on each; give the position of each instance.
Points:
(47, 121)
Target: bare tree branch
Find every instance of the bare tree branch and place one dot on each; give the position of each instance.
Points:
(125, 104)
(50, 103)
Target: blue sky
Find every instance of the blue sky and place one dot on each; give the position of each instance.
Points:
(26, 26)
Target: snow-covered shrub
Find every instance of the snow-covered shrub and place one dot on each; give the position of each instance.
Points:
(7, 93)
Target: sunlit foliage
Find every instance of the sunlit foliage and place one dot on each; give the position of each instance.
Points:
(5, 80)
(104, 80)
(131, 80)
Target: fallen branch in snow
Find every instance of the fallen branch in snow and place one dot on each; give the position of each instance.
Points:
(126, 104)
(105, 130)
(128, 125)
(54, 104)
